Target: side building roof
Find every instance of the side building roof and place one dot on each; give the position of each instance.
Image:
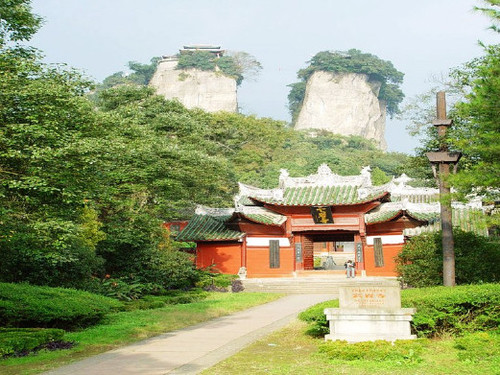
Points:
(212, 224)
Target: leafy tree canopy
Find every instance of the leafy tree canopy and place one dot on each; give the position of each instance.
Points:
(140, 74)
(238, 65)
(352, 61)
(474, 89)
(477, 123)
(17, 22)
(492, 10)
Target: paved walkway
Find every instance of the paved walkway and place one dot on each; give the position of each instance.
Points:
(193, 349)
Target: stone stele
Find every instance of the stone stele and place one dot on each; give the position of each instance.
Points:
(369, 312)
(344, 103)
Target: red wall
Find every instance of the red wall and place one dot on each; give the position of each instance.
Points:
(258, 262)
(225, 257)
(389, 269)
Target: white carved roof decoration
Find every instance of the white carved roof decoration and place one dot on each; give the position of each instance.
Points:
(325, 177)
(398, 188)
(210, 211)
(255, 192)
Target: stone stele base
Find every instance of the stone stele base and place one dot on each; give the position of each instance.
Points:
(369, 312)
(369, 325)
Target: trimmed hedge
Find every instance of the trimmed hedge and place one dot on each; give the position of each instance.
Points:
(21, 340)
(457, 310)
(23, 305)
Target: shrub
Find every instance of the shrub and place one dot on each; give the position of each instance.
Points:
(454, 310)
(400, 350)
(315, 316)
(171, 298)
(439, 310)
(123, 289)
(20, 340)
(420, 264)
(23, 305)
(478, 346)
(215, 281)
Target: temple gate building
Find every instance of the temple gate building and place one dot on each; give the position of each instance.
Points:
(318, 222)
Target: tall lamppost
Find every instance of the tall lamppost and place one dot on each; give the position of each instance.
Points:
(441, 161)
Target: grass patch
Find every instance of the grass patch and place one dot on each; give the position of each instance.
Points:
(118, 329)
(291, 351)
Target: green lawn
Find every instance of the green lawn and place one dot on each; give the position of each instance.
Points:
(123, 328)
(290, 351)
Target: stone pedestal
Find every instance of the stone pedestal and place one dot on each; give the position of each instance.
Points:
(369, 312)
(242, 273)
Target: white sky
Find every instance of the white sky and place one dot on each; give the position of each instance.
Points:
(421, 38)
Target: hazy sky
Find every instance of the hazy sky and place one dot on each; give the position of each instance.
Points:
(421, 37)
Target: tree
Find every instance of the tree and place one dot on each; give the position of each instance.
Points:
(477, 121)
(475, 88)
(141, 75)
(17, 22)
(491, 10)
(44, 236)
(236, 64)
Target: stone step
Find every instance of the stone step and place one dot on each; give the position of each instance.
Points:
(304, 285)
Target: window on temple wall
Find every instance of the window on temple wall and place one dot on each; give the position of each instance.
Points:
(377, 250)
(274, 254)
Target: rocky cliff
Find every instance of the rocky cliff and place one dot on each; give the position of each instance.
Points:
(345, 104)
(210, 91)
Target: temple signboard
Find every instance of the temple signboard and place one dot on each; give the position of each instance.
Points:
(322, 215)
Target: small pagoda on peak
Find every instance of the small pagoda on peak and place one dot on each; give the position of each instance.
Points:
(317, 222)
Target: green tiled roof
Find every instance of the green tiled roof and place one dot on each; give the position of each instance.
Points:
(208, 228)
(264, 218)
(416, 198)
(320, 195)
(424, 216)
(469, 220)
(383, 216)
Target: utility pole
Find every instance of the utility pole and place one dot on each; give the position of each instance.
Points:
(441, 162)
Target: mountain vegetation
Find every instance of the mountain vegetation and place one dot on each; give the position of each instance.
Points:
(352, 61)
(237, 65)
(140, 74)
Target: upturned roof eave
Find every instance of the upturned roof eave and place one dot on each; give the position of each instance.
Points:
(371, 199)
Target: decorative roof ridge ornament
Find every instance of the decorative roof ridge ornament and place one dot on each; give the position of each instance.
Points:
(402, 180)
(210, 211)
(325, 177)
(255, 192)
(366, 174)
